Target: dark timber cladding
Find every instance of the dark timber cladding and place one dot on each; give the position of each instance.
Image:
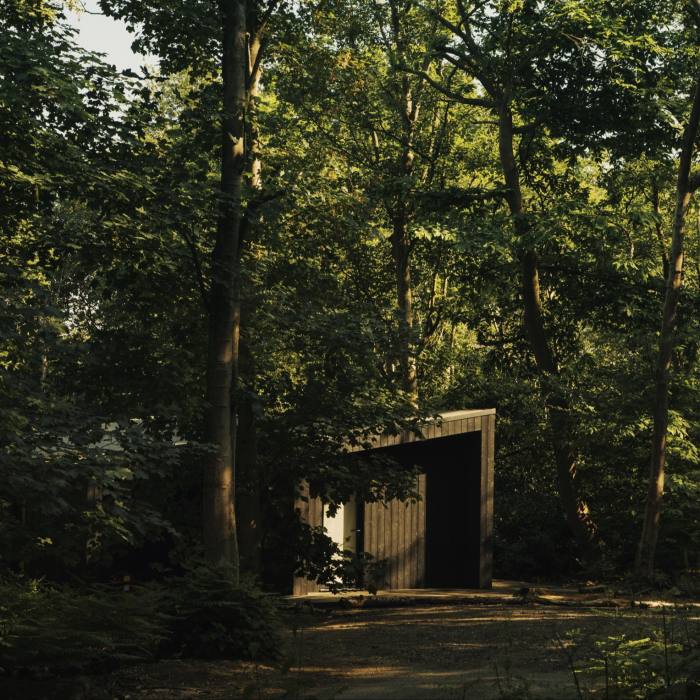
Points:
(444, 540)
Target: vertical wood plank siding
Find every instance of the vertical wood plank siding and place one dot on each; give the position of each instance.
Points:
(420, 532)
(395, 537)
(311, 512)
(393, 544)
(486, 540)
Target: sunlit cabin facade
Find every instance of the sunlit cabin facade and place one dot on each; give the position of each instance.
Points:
(442, 540)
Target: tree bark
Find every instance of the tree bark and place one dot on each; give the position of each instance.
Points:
(401, 253)
(218, 507)
(575, 510)
(249, 482)
(646, 550)
(255, 67)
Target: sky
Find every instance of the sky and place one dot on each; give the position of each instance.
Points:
(108, 36)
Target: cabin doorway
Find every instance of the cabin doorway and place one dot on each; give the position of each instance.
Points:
(452, 514)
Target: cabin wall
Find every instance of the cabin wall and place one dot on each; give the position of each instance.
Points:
(394, 533)
(310, 511)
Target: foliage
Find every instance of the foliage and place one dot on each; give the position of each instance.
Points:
(68, 629)
(59, 105)
(215, 618)
(45, 627)
(320, 559)
(643, 666)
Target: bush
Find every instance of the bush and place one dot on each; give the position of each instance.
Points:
(215, 618)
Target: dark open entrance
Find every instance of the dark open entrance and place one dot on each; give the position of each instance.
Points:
(452, 512)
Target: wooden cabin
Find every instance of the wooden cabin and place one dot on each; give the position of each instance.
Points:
(443, 540)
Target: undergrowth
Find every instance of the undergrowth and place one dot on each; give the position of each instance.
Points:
(661, 662)
(46, 628)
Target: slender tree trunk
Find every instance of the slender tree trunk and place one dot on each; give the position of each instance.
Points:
(219, 518)
(401, 253)
(255, 56)
(575, 510)
(400, 213)
(644, 562)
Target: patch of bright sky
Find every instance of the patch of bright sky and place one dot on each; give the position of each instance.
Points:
(106, 36)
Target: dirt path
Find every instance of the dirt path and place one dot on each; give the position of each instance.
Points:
(431, 652)
(418, 652)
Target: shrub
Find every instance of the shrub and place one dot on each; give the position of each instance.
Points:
(62, 629)
(215, 618)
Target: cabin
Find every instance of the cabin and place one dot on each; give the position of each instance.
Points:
(442, 540)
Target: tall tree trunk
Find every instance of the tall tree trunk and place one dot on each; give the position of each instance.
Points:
(644, 562)
(575, 510)
(400, 214)
(248, 483)
(255, 58)
(218, 507)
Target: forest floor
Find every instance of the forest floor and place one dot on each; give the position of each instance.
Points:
(425, 646)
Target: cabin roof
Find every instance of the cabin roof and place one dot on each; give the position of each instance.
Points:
(443, 425)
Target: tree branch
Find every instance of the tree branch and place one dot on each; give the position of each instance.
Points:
(251, 211)
(455, 96)
(476, 59)
(262, 24)
(253, 73)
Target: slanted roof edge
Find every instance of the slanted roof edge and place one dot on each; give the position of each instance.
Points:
(443, 425)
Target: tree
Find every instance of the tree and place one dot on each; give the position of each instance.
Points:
(512, 57)
(70, 125)
(240, 44)
(499, 61)
(686, 184)
(394, 132)
(219, 527)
